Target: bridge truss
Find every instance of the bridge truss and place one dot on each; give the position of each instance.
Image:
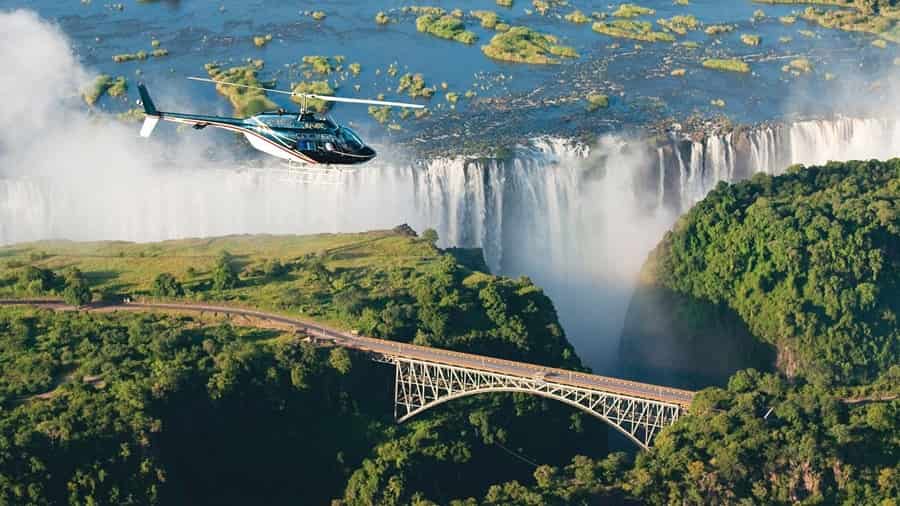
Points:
(420, 385)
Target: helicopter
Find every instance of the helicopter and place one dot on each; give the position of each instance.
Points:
(302, 137)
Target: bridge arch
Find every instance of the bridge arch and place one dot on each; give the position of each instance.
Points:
(421, 385)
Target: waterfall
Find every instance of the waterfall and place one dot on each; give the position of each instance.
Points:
(772, 148)
(578, 220)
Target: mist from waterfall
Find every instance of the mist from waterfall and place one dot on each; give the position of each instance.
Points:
(579, 221)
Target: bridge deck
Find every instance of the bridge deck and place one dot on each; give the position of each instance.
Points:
(387, 348)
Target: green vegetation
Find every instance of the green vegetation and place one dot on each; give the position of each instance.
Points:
(878, 20)
(597, 101)
(323, 64)
(104, 84)
(678, 72)
(354, 68)
(524, 45)
(126, 57)
(382, 114)
(381, 18)
(799, 66)
(445, 27)
(245, 101)
(629, 29)
(414, 85)
(788, 20)
(93, 404)
(750, 40)
(805, 260)
(880, 43)
(810, 448)
(159, 52)
(758, 15)
(262, 40)
(489, 20)
(451, 97)
(577, 17)
(131, 115)
(717, 102)
(318, 15)
(419, 10)
(316, 88)
(505, 3)
(807, 33)
(714, 30)
(730, 65)
(541, 6)
(680, 24)
(632, 11)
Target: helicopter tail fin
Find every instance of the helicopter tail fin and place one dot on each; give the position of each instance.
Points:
(152, 115)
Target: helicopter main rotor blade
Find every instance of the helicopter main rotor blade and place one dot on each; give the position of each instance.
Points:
(226, 83)
(328, 98)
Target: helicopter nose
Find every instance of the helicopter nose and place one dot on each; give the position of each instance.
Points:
(367, 152)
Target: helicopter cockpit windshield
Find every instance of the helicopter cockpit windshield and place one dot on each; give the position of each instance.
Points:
(350, 137)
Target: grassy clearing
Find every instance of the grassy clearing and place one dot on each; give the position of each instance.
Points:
(445, 27)
(322, 276)
(317, 88)
(729, 65)
(679, 24)
(246, 102)
(632, 11)
(630, 29)
(524, 45)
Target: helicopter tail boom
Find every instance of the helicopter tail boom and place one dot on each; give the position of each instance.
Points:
(152, 115)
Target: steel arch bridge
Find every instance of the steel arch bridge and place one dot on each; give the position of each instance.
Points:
(420, 385)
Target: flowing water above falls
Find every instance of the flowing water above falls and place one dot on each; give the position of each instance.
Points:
(579, 222)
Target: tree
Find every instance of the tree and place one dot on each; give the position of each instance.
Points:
(224, 275)
(165, 285)
(76, 292)
(430, 236)
(339, 360)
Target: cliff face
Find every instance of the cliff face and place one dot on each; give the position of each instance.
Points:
(676, 339)
(804, 265)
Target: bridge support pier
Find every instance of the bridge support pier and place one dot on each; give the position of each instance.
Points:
(420, 385)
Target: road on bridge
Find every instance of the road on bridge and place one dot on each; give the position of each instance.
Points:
(384, 347)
